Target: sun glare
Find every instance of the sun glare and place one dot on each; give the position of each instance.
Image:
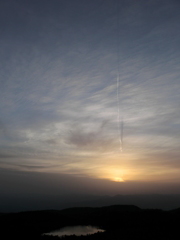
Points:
(115, 174)
(118, 179)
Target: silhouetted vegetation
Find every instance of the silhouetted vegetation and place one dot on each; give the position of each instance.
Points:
(119, 222)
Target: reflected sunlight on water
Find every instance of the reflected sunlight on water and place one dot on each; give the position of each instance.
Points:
(75, 230)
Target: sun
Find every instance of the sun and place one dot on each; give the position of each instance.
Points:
(118, 179)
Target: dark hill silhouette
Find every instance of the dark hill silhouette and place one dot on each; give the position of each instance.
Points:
(59, 202)
(119, 221)
(160, 201)
(177, 210)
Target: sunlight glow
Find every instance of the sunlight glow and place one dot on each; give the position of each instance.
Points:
(118, 179)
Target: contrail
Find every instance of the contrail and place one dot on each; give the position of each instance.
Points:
(119, 119)
(121, 137)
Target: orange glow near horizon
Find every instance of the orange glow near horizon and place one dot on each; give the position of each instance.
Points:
(118, 179)
(113, 174)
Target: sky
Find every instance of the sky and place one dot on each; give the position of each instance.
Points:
(89, 96)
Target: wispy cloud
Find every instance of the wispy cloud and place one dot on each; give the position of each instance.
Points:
(58, 87)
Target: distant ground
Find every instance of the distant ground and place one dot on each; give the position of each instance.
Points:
(153, 201)
(119, 222)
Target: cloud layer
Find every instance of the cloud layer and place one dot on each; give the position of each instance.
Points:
(58, 97)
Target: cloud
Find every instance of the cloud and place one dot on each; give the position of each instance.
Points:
(51, 141)
(58, 98)
(6, 155)
(92, 140)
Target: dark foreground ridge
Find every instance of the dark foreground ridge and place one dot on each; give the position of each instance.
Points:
(119, 222)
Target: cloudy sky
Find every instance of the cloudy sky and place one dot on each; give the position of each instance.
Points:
(60, 103)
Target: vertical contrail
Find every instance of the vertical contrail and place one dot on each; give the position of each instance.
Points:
(119, 119)
(122, 128)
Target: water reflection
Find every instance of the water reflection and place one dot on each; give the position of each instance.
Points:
(75, 230)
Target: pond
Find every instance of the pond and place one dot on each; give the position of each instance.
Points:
(75, 230)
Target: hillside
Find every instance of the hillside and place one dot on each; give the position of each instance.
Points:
(118, 221)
